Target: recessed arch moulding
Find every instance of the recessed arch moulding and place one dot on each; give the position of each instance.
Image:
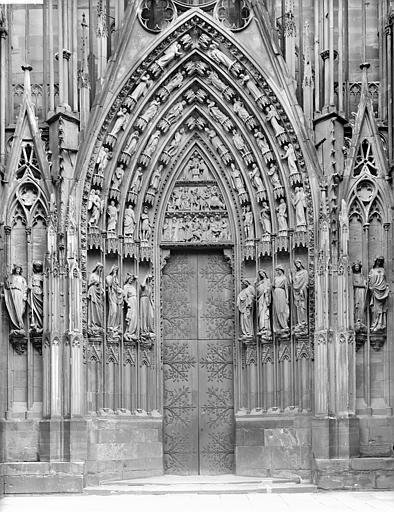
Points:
(195, 147)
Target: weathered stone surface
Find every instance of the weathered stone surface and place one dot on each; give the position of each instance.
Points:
(119, 445)
(252, 458)
(20, 440)
(332, 465)
(354, 480)
(385, 479)
(30, 484)
(372, 463)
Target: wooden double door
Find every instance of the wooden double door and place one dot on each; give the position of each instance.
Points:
(198, 334)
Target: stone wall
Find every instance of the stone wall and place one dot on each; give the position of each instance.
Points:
(124, 447)
(355, 473)
(43, 477)
(100, 448)
(376, 436)
(19, 440)
(274, 446)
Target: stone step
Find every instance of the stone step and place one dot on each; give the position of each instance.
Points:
(221, 484)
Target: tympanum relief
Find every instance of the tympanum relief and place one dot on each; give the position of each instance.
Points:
(196, 211)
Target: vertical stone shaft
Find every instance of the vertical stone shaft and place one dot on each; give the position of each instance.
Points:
(60, 52)
(3, 79)
(51, 103)
(340, 56)
(317, 55)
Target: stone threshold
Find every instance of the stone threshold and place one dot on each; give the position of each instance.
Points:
(197, 484)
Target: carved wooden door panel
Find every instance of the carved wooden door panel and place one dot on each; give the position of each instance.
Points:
(198, 331)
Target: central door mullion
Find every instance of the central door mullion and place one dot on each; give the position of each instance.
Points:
(198, 370)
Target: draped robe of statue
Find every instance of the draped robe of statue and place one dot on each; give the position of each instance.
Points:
(245, 302)
(280, 302)
(263, 288)
(359, 296)
(129, 221)
(95, 299)
(37, 296)
(15, 294)
(115, 299)
(131, 298)
(300, 293)
(379, 292)
(146, 307)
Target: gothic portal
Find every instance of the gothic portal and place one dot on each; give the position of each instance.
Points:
(196, 241)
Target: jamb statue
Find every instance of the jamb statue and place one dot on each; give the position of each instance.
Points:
(15, 293)
(379, 292)
(264, 299)
(245, 301)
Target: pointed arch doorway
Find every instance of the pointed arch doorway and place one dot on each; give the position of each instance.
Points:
(198, 334)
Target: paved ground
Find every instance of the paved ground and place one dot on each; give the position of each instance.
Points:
(316, 502)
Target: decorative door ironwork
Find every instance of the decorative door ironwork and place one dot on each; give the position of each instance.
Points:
(198, 332)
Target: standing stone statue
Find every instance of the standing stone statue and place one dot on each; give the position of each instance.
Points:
(15, 293)
(280, 301)
(300, 295)
(95, 207)
(95, 300)
(282, 217)
(273, 117)
(115, 299)
(299, 204)
(130, 291)
(141, 88)
(379, 293)
(263, 288)
(146, 229)
(248, 223)
(359, 296)
(129, 221)
(135, 185)
(146, 307)
(245, 301)
(255, 176)
(265, 219)
(121, 118)
(103, 157)
(291, 158)
(237, 180)
(37, 297)
(117, 178)
(112, 212)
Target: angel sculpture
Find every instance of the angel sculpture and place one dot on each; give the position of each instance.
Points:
(95, 207)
